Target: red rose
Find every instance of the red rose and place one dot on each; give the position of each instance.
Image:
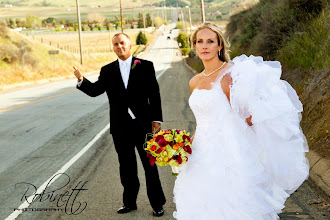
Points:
(178, 158)
(185, 137)
(152, 160)
(159, 137)
(153, 148)
(162, 143)
(136, 62)
(188, 149)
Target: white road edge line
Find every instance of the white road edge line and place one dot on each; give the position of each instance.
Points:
(25, 204)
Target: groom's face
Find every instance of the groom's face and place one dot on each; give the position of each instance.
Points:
(122, 46)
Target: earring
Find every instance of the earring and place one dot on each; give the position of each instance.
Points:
(219, 53)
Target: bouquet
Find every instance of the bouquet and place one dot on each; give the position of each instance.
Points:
(169, 147)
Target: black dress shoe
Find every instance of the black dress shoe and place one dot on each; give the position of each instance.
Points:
(126, 209)
(158, 212)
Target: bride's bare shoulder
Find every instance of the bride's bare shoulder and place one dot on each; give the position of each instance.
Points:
(194, 81)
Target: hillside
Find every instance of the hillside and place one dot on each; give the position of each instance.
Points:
(66, 10)
(38, 64)
(296, 33)
(115, 3)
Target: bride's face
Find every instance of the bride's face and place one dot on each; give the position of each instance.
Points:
(207, 44)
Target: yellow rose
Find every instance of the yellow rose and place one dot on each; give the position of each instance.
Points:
(178, 138)
(160, 132)
(168, 137)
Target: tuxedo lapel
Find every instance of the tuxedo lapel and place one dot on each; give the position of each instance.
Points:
(117, 75)
(132, 72)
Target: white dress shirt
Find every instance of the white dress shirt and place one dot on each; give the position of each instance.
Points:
(125, 68)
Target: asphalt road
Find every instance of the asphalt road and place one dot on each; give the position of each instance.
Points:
(43, 129)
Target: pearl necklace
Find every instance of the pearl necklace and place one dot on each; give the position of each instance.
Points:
(213, 71)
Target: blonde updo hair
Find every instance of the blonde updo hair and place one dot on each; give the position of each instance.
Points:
(224, 56)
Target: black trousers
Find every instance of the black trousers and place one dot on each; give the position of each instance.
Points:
(125, 146)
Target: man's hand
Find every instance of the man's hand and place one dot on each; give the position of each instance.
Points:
(77, 73)
(156, 127)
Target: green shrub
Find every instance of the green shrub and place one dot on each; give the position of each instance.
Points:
(179, 25)
(3, 29)
(268, 26)
(183, 40)
(141, 39)
(308, 49)
(9, 53)
(185, 51)
(192, 53)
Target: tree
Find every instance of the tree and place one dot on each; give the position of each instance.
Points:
(45, 3)
(158, 22)
(50, 20)
(107, 23)
(11, 23)
(140, 21)
(44, 23)
(20, 23)
(96, 18)
(219, 17)
(118, 21)
(141, 39)
(148, 20)
(33, 21)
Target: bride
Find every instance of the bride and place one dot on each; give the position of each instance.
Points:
(248, 147)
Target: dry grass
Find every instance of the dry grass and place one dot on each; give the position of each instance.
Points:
(92, 42)
(40, 65)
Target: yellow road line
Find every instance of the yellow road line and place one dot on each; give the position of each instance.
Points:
(35, 101)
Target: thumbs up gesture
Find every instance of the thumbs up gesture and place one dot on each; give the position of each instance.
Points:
(77, 73)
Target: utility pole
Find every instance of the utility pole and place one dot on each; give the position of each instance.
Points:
(121, 18)
(183, 23)
(165, 17)
(184, 27)
(22, 52)
(79, 31)
(202, 11)
(177, 9)
(190, 24)
(144, 20)
(110, 37)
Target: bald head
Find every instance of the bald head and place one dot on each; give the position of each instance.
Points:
(122, 45)
(118, 34)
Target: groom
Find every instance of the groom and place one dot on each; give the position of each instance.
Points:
(135, 110)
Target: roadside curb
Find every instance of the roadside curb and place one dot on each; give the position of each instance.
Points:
(319, 170)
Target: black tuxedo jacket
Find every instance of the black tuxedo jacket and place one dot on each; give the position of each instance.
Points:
(141, 96)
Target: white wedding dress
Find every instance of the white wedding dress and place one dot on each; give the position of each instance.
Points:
(235, 171)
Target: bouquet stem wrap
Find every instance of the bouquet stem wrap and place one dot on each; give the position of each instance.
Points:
(175, 171)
